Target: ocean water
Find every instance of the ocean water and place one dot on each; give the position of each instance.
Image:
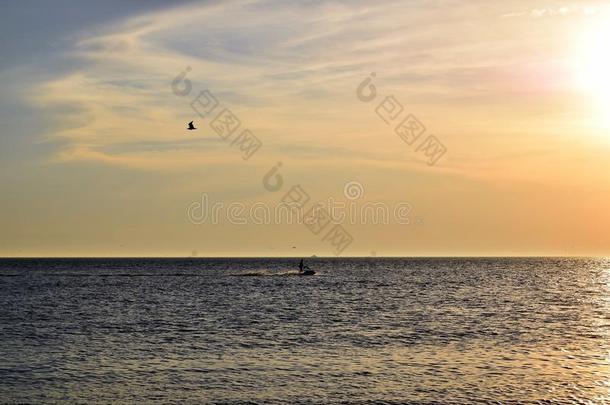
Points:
(375, 330)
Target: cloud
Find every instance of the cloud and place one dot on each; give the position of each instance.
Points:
(289, 71)
(560, 11)
(261, 58)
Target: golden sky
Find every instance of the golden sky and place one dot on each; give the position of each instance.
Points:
(96, 159)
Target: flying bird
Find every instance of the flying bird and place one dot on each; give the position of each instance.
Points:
(191, 126)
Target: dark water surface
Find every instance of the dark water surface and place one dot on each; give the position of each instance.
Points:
(361, 331)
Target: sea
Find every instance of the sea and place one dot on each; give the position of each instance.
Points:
(252, 331)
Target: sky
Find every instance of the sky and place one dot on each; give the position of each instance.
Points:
(511, 102)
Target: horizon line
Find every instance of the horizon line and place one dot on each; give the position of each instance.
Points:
(320, 257)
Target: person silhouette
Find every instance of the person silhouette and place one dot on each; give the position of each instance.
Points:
(301, 266)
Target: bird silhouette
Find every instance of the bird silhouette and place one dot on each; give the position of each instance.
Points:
(191, 126)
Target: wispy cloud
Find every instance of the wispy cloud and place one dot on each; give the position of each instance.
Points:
(289, 71)
(560, 11)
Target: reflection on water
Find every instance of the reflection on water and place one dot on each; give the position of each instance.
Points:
(362, 330)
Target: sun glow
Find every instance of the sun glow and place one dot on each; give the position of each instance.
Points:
(592, 66)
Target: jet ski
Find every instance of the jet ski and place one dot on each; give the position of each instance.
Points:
(304, 270)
